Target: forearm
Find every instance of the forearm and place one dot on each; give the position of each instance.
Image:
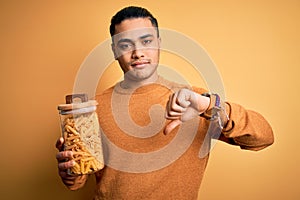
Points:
(246, 128)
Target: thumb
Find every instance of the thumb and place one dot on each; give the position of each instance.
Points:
(59, 144)
(172, 125)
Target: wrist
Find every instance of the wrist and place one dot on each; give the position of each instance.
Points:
(203, 103)
(213, 107)
(216, 111)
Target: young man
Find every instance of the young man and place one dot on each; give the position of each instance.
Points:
(159, 156)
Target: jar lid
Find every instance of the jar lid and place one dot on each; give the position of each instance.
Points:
(76, 101)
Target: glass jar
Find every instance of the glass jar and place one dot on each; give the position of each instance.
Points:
(81, 133)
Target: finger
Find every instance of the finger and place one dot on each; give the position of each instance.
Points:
(169, 114)
(59, 144)
(172, 125)
(173, 107)
(173, 98)
(173, 117)
(64, 175)
(170, 102)
(178, 108)
(67, 179)
(68, 182)
(183, 99)
(63, 155)
(66, 165)
(176, 102)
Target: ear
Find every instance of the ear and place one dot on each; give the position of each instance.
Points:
(159, 42)
(113, 48)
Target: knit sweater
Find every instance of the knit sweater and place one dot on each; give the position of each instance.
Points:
(144, 163)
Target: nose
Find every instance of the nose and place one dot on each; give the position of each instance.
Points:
(138, 52)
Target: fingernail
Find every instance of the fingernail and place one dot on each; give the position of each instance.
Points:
(70, 153)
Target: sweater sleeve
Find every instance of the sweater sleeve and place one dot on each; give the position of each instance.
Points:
(246, 128)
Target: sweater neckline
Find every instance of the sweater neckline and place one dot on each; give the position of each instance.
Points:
(140, 90)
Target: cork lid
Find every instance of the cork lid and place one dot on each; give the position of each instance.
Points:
(76, 101)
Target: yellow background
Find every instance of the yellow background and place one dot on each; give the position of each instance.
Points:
(254, 43)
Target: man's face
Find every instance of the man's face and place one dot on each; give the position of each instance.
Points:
(136, 47)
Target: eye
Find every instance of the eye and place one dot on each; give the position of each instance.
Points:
(125, 46)
(148, 41)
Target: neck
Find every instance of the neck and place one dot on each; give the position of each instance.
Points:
(128, 83)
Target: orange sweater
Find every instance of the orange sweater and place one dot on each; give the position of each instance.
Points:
(144, 163)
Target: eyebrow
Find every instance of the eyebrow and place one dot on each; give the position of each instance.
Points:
(130, 41)
(124, 40)
(146, 36)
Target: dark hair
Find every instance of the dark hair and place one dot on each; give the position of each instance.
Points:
(129, 13)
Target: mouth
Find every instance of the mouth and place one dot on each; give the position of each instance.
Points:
(140, 63)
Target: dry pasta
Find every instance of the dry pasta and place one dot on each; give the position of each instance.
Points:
(81, 135)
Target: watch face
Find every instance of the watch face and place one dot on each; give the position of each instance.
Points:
(206, 94)
(218, 101)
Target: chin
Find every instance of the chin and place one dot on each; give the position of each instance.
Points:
(137, 76)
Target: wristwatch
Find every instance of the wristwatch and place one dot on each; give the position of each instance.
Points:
(214, 107)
